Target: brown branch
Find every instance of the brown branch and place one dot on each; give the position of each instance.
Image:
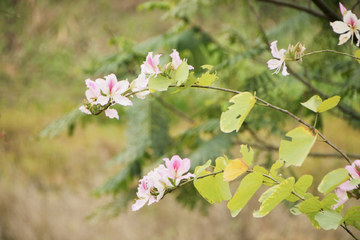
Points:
(295, 6)
(329, 13)
(175, 110)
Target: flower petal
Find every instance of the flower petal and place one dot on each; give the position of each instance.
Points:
(284, 72)
(344, 37)
(339, 27)
(84, 110)
(350, 18)
(103, 100)
(273, 64)
(138, 204)
(122, 100)
(342, 9)
(274, 51)
(112, 113)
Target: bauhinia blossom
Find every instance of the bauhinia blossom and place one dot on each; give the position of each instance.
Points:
(278, 61)
(113, 90)
(91, 94)
(139, 84)
(152, 187)
(347, 28)
(176, 61)
(177, 167)
(151, 65)
(341, 190)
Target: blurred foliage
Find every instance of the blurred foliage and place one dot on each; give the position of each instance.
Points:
(238, 50)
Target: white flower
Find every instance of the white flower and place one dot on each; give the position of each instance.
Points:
(347, 28)
(278, 61)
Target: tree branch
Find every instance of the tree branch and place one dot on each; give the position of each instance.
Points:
(329, 13)
(295, 6)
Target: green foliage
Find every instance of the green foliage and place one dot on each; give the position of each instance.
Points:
(233, 118)
(328, 219)
(181, 74)
(207, 78)
(159, 83)
(352, 217)
(333, 179)
(315, 103)
(294, 152)
(248, 187)
(300, 187)
(247, 153)
(280, 192)
(67, 122)
(213, 188)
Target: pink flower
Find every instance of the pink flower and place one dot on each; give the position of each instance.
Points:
(345, 186)
(112, 89)
(354, 173)
(177, 167)
(144, 195)
(176, 61)
(342, 9)
(92, 94)
(347, 28)
(278, 61)
(151, 65)
(139, 84)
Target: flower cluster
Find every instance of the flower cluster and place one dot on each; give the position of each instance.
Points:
(152, 186)
(348, 27)
(102, 94)
(342, 189)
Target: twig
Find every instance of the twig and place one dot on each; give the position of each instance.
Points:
(259, 23)
(349, 232)
(175, 110)
(295, 6)
(331, 51)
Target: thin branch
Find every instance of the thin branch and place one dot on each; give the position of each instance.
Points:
(348, 231)
(175, 110)
(295, 6)
(281, 110)
(331, 51)
(259, 23)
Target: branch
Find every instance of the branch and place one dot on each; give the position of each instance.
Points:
(349, 232)
(175, 110)
(295, 6)
(329, 13)
(281, 110)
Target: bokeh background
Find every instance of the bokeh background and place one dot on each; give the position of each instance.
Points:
(55, 163)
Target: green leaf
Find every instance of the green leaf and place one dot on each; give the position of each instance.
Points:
(316, 104)
(212, 188)
(295, 210)
(328, 219)
(223, 186)
(181, 73)
(273, 170)
(328, 202)
(354, 182)
(207, 79)
(352, 214)
(267, 193)
(311, 205)
(313, 103)
(247, 153)
(328, 104)
(332, 180)
(258, 168)
(199, 169)
(248, 186)
(300, 187)
(256, 214)
(234, 117)
(191, 80)
(159, 83)
(282, 191)
(294, 152)
(221, 164)
(357, 54)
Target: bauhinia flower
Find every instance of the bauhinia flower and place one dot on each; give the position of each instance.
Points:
(143, 194)
(151, 65)
(278, 61)
(139, 84)
(153, 186)
(91, 94)
(113, 90)
(177, 167)
(176, 61)
(341, 190)
(347, 28)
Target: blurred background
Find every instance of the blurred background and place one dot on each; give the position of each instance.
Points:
(65, 175)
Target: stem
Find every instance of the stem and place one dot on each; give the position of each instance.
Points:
(348, 231)
(330, 51)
